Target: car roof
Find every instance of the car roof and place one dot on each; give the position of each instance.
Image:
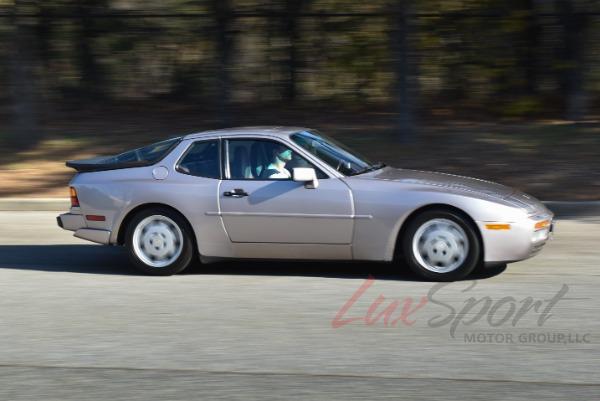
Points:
(260, 130)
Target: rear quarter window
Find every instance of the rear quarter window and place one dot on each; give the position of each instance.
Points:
(201, 160)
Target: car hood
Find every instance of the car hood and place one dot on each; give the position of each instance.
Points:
(442, 180)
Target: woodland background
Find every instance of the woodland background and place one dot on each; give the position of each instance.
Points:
(499, 89)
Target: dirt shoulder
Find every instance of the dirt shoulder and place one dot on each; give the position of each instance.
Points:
(553, 160)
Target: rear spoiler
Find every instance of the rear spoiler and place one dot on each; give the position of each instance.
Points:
(103, 164)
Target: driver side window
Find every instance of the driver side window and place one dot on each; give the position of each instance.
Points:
(263, 159)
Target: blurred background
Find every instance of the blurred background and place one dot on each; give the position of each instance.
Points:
(506, 90)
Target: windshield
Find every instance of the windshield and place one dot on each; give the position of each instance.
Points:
(333, 153)
(147, 154)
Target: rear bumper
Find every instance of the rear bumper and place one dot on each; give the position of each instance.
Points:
(94, 235)
(71, 221)
(76, 223)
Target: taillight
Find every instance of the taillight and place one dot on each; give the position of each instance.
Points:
(74, 199)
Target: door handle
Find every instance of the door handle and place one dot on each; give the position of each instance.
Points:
(236, 193)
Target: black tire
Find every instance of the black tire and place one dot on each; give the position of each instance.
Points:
(187, 243)
(473, 256)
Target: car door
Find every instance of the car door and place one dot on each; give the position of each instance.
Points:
(259, 209)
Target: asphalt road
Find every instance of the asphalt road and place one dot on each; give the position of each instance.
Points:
(77, 323)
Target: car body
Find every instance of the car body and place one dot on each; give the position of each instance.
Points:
(323, 211)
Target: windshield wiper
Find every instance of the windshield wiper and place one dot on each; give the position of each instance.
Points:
(372, 167)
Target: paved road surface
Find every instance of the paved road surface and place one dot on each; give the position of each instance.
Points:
(77, 323)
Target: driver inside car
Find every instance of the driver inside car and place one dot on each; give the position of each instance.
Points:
(276, 170)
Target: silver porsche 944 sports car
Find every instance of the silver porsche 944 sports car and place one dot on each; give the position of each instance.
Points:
(294, 193)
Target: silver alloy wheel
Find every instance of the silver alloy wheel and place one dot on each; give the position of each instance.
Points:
(440, 245)
(157, 241)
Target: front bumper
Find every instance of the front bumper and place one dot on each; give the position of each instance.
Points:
(76, 222)
(521, 241)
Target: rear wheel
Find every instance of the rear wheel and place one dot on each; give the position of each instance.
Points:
(441, 245)
(159, 242)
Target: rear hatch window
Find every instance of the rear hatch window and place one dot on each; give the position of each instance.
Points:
(146, 156)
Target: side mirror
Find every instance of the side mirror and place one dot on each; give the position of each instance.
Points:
(306, 175)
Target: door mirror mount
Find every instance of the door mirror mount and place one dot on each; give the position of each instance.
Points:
(306, 175)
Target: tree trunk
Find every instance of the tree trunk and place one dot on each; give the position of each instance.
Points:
(24, 128)
(530, 55)
(405, 68)
(292, 11)
(223, 17)
(91, 85)
(572, 56)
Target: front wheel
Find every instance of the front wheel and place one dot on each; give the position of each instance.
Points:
(441, 245)
(159, 242)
